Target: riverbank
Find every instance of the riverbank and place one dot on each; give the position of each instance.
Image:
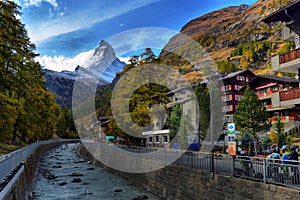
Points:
(64, 175)
(18, 170)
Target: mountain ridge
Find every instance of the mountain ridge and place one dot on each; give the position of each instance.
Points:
(100, 69)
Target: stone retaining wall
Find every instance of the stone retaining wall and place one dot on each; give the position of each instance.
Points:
(177, 182)
(21, 188)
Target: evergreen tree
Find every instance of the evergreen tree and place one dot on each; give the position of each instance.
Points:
(279, 129)
(251, 116)
(66, 127)
(31, 109)
(148, 56)
(202, 94)
(174, 120)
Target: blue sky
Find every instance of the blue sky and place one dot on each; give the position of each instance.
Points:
(66, 31)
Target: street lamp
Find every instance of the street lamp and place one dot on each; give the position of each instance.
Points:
(212, 170)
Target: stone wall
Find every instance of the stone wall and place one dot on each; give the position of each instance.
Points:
(21, 188)
(177, 182)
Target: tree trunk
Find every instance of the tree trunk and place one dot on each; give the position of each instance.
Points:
(255, 144)
(15, 132)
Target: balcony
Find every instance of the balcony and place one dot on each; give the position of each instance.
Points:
(285, 99)
(283, 119)
(288, 62)
(264, 95)
(290, 95)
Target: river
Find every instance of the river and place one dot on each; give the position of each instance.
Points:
(62, 175)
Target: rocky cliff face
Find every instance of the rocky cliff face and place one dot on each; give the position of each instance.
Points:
(100, 68)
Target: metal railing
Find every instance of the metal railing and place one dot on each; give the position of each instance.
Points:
(254, 168)
(10, 161)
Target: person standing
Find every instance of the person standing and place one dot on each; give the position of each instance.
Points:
(293, 161)
(285, 155)
(284, 160)
(293, 155)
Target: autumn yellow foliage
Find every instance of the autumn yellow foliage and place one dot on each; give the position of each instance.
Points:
(273, 136)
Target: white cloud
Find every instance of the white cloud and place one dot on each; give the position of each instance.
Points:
(60, 63)
(28, 3)
(125, 59)
(119, 24)
(123, 43)
(50, 13)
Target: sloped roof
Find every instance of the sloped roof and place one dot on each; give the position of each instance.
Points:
(234, 74)
(280, 78)
(274, 78)
(281, 15)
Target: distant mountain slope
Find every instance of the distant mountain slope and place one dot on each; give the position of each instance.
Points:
(101, 69)
(223, 31)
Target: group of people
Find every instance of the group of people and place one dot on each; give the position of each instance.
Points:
(282, 164)
(289, 168)
(284, 155)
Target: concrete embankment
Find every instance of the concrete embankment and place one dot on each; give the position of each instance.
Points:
(179, 182)
(19, 187)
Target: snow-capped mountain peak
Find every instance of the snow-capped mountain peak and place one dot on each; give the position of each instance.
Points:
(103, 62)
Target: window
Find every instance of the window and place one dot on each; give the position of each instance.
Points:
(164, 138)
(238, 97)
(276, 114)
(285, 113)
(156, 139)
(227, 87)
(240, 78)
(238, 87)
(150, 139)
(227, 108)
(229, 118)
(227, 98)
(247, 79)
(274, 88)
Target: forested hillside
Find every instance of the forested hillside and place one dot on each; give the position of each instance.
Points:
(28, 110)
(235, 37)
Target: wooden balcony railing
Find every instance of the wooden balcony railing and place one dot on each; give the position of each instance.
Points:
(290, 94)
(287, 57)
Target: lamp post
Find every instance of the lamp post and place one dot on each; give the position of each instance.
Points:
(212, 170)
